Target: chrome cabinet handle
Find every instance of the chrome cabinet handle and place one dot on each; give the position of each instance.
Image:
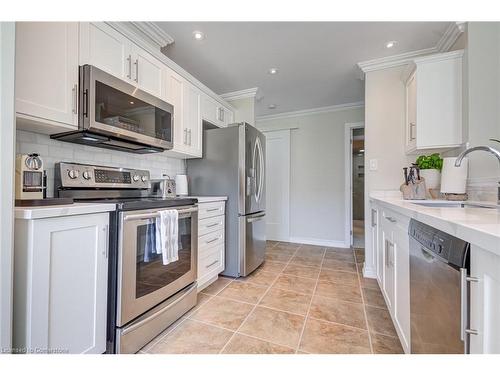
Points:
(106, 250)
(464, 305)
(129, 59)
(211, 264)
(75, 98)
(391, 219)
(412, 126)
(213, 209)
(185, 136)
(213, 225)
(213, 240)
(137, 70)
(374, 220)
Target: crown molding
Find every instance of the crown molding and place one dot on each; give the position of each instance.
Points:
(312, 111)
(450, 36)
(393, 61)
(241, 94)
(148, 32)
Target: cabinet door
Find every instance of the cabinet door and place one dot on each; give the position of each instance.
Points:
(192, 120)
(229, 117)
(411, 113)
(175, 95)
(377, 250)
(209, 109)
(485, 301)
(401, 261)
(147, 72)
(69, 283)
(47, 71)
(107, 49)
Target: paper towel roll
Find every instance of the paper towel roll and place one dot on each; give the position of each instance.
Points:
(454, 179)
(181, 184)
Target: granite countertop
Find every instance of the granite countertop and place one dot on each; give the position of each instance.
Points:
(41, 212)
(477, 225)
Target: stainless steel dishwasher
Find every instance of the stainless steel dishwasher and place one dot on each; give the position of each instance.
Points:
(439, 292)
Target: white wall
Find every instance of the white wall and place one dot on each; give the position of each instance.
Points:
(384, 140)
(483, 96)
(317, 197)
(53, 151)
(7, 134)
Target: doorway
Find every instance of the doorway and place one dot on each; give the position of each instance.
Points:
(278, 185)
(355, 184)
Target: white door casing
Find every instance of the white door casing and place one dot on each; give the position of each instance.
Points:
(278, 184)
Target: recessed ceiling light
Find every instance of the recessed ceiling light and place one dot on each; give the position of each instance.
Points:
(273, 71)
(131, 102)
(390, 44)
(198, 35)
(272, 106)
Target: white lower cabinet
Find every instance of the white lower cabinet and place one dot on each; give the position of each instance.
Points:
(485, 301)
(393, 268)
(211, 242)
(60, 284)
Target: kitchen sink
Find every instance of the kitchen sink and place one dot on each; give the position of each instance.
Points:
(452, 204)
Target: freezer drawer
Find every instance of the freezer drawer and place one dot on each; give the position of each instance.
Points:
(254, 238)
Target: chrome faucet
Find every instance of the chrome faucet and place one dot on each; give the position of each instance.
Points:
(489, 149)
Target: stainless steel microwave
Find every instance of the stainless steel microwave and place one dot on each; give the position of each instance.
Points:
(118, 115)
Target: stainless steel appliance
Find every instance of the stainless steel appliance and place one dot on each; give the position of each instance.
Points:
(164, 187)
(145, 296)
(439, 297)
(233, 165)
(117, 115)
(29, 177)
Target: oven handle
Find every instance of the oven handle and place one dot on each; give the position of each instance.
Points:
(159, 312)
(156, 214)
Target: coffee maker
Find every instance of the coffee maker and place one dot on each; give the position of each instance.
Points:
(29, 177)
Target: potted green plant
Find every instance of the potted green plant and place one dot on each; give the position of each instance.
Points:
(430, 169)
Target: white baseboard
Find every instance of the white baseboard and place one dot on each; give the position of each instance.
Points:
(319, 242)
(368, 272)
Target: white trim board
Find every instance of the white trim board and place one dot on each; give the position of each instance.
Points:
(450, 36)
(311, 111)
(154, 33)
(240, 94)
(319, 242)
(348, 179)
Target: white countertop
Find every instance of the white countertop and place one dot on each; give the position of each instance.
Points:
(28, 213)
(479, 226)
(207, 199)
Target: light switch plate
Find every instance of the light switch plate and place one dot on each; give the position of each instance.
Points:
(373, 164)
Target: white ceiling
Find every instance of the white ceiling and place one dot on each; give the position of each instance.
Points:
(316, 60)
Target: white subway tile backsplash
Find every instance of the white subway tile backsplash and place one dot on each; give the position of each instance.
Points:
(53, 151)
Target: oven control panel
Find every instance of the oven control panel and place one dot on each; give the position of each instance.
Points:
(75, 175)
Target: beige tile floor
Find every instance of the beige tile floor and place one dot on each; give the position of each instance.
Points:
(303, 299)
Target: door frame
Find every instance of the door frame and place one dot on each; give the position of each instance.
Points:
(286, 192)
(349, 127)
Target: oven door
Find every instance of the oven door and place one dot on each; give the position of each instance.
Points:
(113, 107)
(143, 280)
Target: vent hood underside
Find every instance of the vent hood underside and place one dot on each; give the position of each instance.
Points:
(103, 141)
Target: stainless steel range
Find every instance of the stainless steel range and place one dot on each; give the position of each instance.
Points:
(145, 296)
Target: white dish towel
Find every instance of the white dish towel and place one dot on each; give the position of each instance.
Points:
(167, 232)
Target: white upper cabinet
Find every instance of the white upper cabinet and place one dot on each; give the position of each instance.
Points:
(107, 49)
(148, 72)
(434, 102)
(192, 120)
(209, 109)
(47, 72)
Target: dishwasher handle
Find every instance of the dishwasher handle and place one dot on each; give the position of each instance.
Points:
(464, 306)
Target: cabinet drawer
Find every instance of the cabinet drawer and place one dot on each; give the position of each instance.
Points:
(211, 261)
(210, 209)
(210, 240)
(210, 224)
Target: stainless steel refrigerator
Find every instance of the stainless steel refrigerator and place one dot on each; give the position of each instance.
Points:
(233, 165)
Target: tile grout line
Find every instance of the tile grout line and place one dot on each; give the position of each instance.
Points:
(183, 319)
(364, 306)
(257, 304)
(310, 302)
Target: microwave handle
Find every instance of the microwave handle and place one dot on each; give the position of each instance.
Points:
(155, 214)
